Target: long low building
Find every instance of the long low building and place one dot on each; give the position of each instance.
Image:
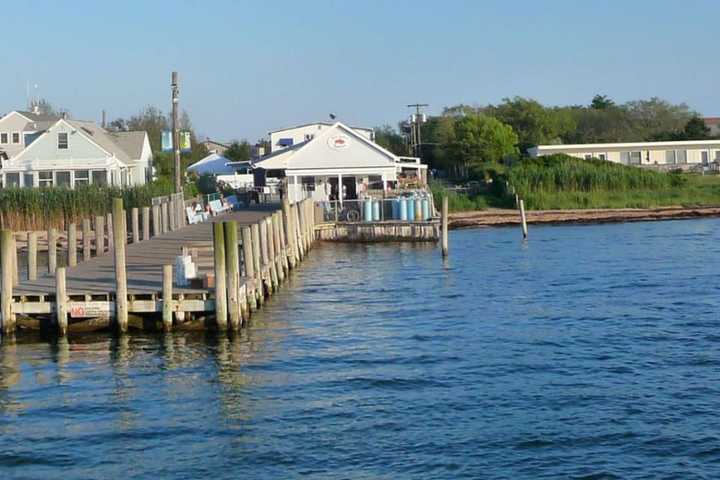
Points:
(683, 154)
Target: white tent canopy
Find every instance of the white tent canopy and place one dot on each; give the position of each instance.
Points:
(214, 164)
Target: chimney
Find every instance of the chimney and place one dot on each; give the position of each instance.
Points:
(103, 119)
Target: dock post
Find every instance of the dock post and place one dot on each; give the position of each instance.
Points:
(72, 245)
(249, 262)
(523, 219)
(284, 249)
(172, 214)
(167, 292)
(110, 235)
(257, 255)
(272, 252)
(300, 225)
(232, 267)
(445, 226)
(220, 285)
(287, 224)
(120, 236)
(265, 251)
(164, 216)
(134, 218)
(32, 256)
(155, 220)
(99, 235)
(52, 251)
(61, 305)
(16, 267)
(86, 239)
(146, 223)
(6, 291)
(278, 247)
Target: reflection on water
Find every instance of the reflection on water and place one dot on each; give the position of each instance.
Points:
(587, 352)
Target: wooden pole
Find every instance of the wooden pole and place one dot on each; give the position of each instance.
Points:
(299, 225)
(271, 251)
(52, 251)
(288, 227)
(220, 278)
(121, 301)
(72, 245)
(249, 261)
(257, 254)
(167, 292)
(61, 305)
(445, 250)
(86, 239)
(99, 235)
(6, 290)
(523, 219)
(175, 92)
(110, 234)
(15, 269)
(146, 223)
(156, 220)
(278, 246)
(134, 218)
(32, 256)
(165, 224)
(232, 267)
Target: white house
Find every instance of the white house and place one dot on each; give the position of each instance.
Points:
(235, 174)
(664, 155)
(337, 163)
(287, 137)
(65, 153)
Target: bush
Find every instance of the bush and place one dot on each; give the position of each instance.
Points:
(207, 184)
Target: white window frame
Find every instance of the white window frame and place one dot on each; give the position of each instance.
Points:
(87, 179)
(7, 138)
(44, 182)
(67, 141)
(70, 179)
(19, 137)
(25, 175)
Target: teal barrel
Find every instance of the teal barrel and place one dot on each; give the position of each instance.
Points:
(403, 209)
(426, 208)
(367, 210)
(376, 210)
(395, 205)
(411, 209)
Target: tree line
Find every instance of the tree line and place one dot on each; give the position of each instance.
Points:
(467, 141)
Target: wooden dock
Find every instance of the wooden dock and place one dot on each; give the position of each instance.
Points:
(242, 256)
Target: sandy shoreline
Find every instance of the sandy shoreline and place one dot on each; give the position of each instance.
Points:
(498, 217)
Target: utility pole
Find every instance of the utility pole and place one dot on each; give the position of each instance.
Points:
(175, 135)
(416, 122)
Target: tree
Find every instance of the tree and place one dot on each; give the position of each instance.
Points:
(695, 129)
(388, 138)
(239, 151)
(601, 102)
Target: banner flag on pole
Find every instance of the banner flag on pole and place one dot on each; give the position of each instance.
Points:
(167, 141)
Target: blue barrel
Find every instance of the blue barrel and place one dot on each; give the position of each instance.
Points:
(410, 209)
(367, 210)
(403, 209)
(395, 204)
(426, 209)
(376, 210)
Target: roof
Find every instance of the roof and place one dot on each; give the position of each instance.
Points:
(598, 146)
(131, 142)
(317, 123)
(37, 117)
(103, 138)
(711, 120)
(39, 125)
(213, 163)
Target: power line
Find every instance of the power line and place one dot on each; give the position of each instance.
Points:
(416, 121)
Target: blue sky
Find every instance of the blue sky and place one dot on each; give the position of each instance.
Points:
(249, 67)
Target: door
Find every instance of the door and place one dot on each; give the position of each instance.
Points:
(349, 185)
(705, 158)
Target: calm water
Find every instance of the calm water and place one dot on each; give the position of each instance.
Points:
(590, 352)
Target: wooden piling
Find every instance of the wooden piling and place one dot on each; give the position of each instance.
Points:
(272, 260)
(299, 227)
(257, 260)
(72, 245)
(6, 289)
(32, 256)
(523, 219)
(52, 251)
(86, 239)
(172, 215)
(249, 262)
(220, 278)
(146, 223)
(156, 220)
(15, 266)
(110, 234)
(120, 235)
(99, 235)
(288, 227)
(164, 217)
(167, 293)
(61, 304)
(232, 267)
(444, 232)
(135, 220)
(278, 247)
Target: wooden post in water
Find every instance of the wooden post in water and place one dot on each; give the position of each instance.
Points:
(299, 226)
(164, 217)
(32, 256)
(232, 270)
(272, 260)
(220, 284)
(167, 292)
(283, 242)
(523, 219)
(52, 251)
(135, 219)
(156, 220)
(265, 251)
(257, 260)
(15, 266)
(86, 239)
(445, 226)
(249, 263)
(289, 236)
(6, 290)
(146, 223)
(61, 304)
(120, 235)
(275, 221)
(72, 245)
(110, 234)
(99, 235)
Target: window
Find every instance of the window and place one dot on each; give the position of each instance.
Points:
(704, 158)
(602, 156)
(12, 180)
(82, 177)
(681, 156)
(4, 138)
(635, 158)
(99, 177)
(673, 157)
(588, 156)
(16, 138)
(45, 179)
(375, 182)
(308, 184)
(28, 180)
(62, 179)
(62, 140)
(670, 157)
(625, 158)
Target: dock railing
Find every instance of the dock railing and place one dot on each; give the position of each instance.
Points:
(397, 209)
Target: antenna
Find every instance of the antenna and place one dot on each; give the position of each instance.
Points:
(415, 122)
